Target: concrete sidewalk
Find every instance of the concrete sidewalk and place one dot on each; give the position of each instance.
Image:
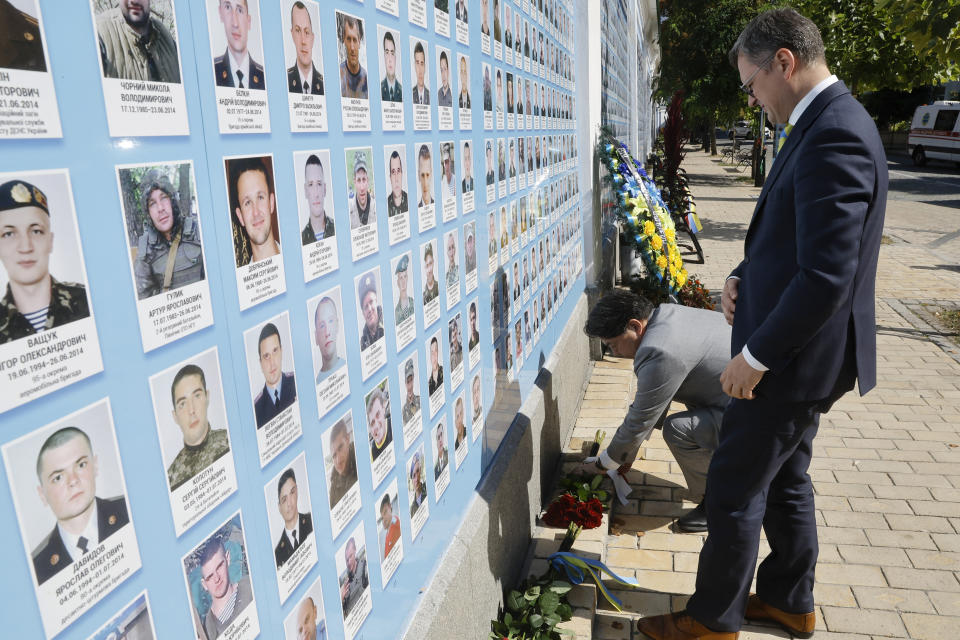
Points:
(885, 467)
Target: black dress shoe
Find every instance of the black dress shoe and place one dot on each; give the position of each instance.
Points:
(694, 521)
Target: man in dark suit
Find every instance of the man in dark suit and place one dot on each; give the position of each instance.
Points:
(235, 68)
(802, 308)
(279, 388)
(303, 76)
(67, 471)
(296, 526)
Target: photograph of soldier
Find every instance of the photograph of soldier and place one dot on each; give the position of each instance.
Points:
(501, 162)
(137, 40)
(475, 398)
(470, 248)
(326, 334)
(218, 578)
(342, 467)
(304, 76)
(416, 483)
(21, 43)
(320, 224)
(431, 288)
(496, 20)
(492, 234)
(362, 206)
(279, 386)
(253, 201)
(353, 56)
(34, 300)
(510, 101)
(379, 428)
(440, 452)
(436, 367)
(463, 99)
(491, 176)
(421, 91)
(237, 66)
(485, 17)
(425, 175)
(448, 181)
(162, 226)
(513, 160)
(459, 427)
(466, 155)
(411, 399)
(354, 579)
(452, 268)
(133, 622)
(388, 523)
(307, 621)
(444, 93)
(397, 200)
(456, 342)
(462, 10)
(499, 104)
(404, 308)
(508, 27)
(297, 525)
(487, 89)
(474, 338)
(368, 294)
(390, 88)
(202, 443)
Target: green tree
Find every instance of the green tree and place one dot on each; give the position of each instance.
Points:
(933, 26)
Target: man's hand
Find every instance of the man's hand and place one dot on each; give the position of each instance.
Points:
(739, 378)
(589, 467)
(728, 299)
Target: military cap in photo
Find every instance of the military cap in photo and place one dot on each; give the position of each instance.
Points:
(403, 264)
(152, 180)
(359, 161)
(17, 194)
(408, 368)
(366, 286)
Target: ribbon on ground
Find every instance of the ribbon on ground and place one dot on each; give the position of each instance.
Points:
(574, 566)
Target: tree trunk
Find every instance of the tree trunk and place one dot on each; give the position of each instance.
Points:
(713, 134)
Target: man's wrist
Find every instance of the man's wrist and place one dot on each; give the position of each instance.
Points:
(605, 462)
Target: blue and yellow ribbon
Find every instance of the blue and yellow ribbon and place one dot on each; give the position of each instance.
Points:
(574, 567)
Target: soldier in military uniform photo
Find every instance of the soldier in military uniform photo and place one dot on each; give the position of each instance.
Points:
(34, 300)
(431, 288)
(169, 253)
(296, 525)
(453, 269)
(441, 458)
(411, 402)
(397, 200)
(436, 368)
(354, 581)
(371, 310)
(362, 208)
(21, 46)
(67, 473)
(456, 342)
(326, 333)
(303, 76)
(202, 444)
(379, 427)
(343, 472)
(279, 387)
(319, 226)
(136, 45)
(390, 88)
(404, 307)
(236, 68)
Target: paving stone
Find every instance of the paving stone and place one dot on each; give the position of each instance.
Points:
(883, 556)
(925, 579)
(835, 595)
(848, 620)
(893, 599)
(933, 524)
(666, 581)
(943, 560)
(851, 574)
(634, 558)
(901, 539)
(931, 627)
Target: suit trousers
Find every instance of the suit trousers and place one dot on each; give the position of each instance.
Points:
(692, 437)
(758, 478)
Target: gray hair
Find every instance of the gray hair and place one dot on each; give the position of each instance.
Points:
(778, 29)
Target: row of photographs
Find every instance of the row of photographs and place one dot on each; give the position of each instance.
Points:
(73, 525)
(141, 70)
(42, 328)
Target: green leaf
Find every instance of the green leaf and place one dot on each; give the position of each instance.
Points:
(597, 479)
(515, 601)
(536, 620)
(600, 495)
(532, 594)
(507, 619)
(549, 602)
(565, 611)
(560, 587)
(552, 620)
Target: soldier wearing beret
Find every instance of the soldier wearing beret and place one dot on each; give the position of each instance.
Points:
(404, 307)
(134, 45)
(411, 403)
(169, 253)
(34, 301)
(362, 207)
(20, 44)
(372, 313)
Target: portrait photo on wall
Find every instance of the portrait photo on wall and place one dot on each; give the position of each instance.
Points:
(398, 199)
(373, 348)
(417, 492)
(162, 223)
(307, 620)
(290, 518)
(404, 318)
(376, 405)
(133, 622)
(420, 83)
(318, 230)
(410, 385)
(426, 204)
(361, 201)
(467, 183)
(191, 418)
(440, 449)
(354, 580)
(70, 498)
(219, 585)
(448, 180)
(340, 467)
(44, 286)
(389, 532)
(391, 83)
(353, 65)
(303, 60)
(431, 286)
(445, 94)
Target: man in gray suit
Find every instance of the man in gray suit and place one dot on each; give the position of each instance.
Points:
(678, 354)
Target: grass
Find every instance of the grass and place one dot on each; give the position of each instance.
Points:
(885, 239)
(950, 319)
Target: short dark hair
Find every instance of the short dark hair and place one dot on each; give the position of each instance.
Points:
(210, 549)
(346, 20)
(424, 153)
(396, 154)
(313, 159)
(385, 501)
(609, 317)
(286, 475)
(58, 438)
(186, 370)
(418, 48)
(300, 5)
(776, 29)
(339, 429)
(268, 330)
(240, 166)
(443, 57)
(389, 36)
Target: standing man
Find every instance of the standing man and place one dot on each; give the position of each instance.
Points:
(235, 68)
(303, 76)
(390, 88)
(228, 598)
(320, 225)
(134, 45)
(397, 200)
(362, 207)
(326, 329)
(256, 205)
(421, 94)
(444, 93)
(34, 301)
(296, 526)
(67, 476)
(202, 444)
(353, 77)
(372, 314)
(411, 403)
(802, 308)
(279, 386)
(404, 308)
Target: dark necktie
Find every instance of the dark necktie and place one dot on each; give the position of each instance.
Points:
(306, 86)
(296, 543)
(276, 397)
(82, 544)
(239, 79)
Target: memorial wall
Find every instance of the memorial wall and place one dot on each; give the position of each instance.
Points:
(276, 275)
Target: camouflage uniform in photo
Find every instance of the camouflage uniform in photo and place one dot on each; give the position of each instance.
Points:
(193, 459)
(68, 302)
(129, 56)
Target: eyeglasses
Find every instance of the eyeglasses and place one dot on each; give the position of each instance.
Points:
(745, 87)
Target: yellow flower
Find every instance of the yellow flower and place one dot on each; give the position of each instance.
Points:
(656, 242)
(649, 227)
(661, 262)
(681, 278)
(671, 235)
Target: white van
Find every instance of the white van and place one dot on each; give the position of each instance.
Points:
(935, 132)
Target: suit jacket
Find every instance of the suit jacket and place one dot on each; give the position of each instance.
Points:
(805, 307)
(264, 406)
(221, 69)
(52, 556)
(284, 548)
(294, 85)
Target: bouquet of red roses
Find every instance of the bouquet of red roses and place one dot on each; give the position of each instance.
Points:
(568, 509)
